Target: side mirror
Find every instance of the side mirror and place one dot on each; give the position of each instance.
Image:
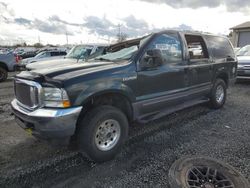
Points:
(229, 58)
(154, 53)
(152, 59)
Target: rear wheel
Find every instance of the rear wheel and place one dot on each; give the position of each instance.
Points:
(3, 74)
(218, 94)
(102, 132)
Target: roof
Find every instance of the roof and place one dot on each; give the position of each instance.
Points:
(242, 26)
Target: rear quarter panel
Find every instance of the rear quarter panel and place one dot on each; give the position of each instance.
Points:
(222, 65)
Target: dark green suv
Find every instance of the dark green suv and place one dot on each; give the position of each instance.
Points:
(93, 102)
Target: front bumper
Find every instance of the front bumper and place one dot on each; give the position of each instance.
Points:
(243, 74)
(47, 123)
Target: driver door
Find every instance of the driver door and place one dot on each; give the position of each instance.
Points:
(162, 78)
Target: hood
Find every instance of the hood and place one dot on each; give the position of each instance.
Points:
(243, 59)
(51, 63)
(72, 70)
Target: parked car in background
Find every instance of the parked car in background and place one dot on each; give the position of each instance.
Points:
(236, 49)
(5, 50)
(42, 56)
(243, 70)
(48, 48)
(93, 103)
(77, 54)
(25, 55)
(7, 64)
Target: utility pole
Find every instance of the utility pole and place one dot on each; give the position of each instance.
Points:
(39, 39)
(119, 32)
(67, 38)
(121, 36)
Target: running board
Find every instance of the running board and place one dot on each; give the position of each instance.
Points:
(156, 115)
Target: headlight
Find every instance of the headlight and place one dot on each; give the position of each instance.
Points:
(240, 66)
(55, 97)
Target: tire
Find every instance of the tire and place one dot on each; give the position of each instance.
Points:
(3, 74)
(211, 173)
(218, 94)
(102, 133)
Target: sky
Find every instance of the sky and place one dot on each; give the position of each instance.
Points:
(99, 21)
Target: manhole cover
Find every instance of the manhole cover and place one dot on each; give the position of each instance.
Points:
(204, 172)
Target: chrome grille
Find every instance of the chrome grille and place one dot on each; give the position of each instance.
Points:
(27, 93)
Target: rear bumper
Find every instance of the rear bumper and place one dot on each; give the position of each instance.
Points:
(48, 124)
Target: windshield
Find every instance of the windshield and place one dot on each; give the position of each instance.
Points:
(79, 52)
(245, 51)
(123, 54)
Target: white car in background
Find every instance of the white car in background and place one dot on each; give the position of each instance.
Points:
(77, 54)
(243, 56)
(42, 56)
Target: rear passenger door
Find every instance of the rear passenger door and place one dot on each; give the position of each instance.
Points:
(199, 65)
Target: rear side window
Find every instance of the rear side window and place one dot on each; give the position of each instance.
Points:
(220, 47)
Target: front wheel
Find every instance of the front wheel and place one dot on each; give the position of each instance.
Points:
(102, 132)
(218, 94)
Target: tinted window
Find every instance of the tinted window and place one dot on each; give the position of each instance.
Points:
(220, 47)
(62, 53)
(55, 53)
(164, 49)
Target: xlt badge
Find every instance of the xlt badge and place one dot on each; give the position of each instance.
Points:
(129, 78)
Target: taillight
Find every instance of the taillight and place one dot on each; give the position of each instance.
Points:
(18, 58)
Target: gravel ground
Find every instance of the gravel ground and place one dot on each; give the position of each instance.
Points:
(145, 159)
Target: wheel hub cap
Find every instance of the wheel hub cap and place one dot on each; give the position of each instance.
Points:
(219, 94)
(107, 134)
(206, 177)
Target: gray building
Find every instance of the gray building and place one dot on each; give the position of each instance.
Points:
(241, 34)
